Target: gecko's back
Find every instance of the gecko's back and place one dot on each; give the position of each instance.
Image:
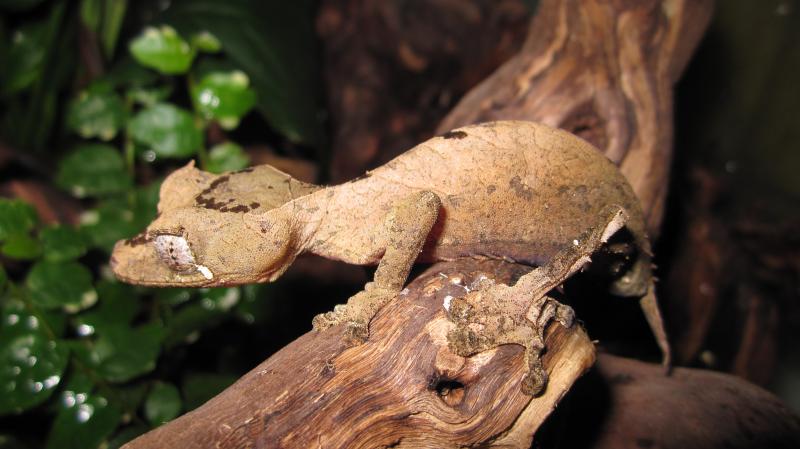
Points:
(510, 189)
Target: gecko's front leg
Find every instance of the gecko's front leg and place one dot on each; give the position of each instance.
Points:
(406, 229)
(499, 314)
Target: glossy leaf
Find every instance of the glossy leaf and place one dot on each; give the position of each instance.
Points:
(123, 353)
(168, 130)
(149, 96)
(274, 43)
(31, 366)
(24, 59)
(66, 285)
(117, 305)
(113, 16)
(85, 417)
(227, 156)
(224, 97)
(114, 219)
(62, 243)
(96, 113)
(128, 73)
(207, 312)
(162, 404)
(21, 246)
(18, 319)
(163, 49)
(93, 170)
(16, 217)
(206, 42)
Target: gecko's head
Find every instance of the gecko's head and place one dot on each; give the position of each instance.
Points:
(213, 231)
(197, 247)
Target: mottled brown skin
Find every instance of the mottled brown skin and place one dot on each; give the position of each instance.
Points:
(510, 190)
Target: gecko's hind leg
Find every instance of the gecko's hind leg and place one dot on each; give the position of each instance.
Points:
(405, 231)
(519, 314)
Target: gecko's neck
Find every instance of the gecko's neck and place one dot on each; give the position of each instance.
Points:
(308, 214)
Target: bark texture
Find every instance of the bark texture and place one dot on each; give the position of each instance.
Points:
(402, 388)
(603, 70)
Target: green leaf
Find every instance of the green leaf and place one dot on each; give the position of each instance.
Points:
(123, 353)
(113, 16)
(168, 130)
(96, 113)
(162, 404)
(200, 387)
(90, 11)
(174, 296)
(85, 417)
(66, 285)
(31, 366)
(163, 49)
(25, 59)
(206, 42)
(227, 156)
(275, 44)
(62, 243)
(93, 170)
(117, 305)
(224, 97)
(16, 217)
(127, 73)
(208, 312)
(115, 220)
(21, 246)
(149, 96)
(17, 319)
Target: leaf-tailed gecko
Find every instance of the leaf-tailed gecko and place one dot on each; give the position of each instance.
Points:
(511, 190)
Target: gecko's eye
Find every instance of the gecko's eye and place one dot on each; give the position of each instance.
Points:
(174, 251)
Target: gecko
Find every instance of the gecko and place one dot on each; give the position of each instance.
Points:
(512, 190)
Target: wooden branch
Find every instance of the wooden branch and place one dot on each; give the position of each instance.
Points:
(603, 70)
(402, 388)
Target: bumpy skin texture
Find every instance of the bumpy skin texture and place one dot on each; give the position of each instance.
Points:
(513, 190)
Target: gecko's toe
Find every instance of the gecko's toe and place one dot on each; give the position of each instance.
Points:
(356, 333)
(325, 320)
(535, 380)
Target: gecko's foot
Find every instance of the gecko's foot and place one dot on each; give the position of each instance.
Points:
(356, 314)
(489, 318)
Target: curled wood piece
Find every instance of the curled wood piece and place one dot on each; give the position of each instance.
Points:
(603, 70)
(402, 388)
(624, 403)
